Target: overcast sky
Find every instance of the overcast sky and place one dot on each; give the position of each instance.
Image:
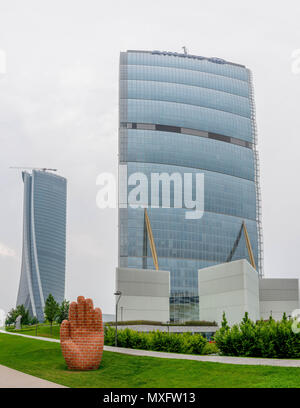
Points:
(59, 108)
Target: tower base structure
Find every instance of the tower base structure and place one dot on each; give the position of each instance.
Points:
(235, 288)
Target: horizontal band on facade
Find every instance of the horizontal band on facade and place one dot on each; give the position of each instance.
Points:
(188, 209)
(187, 131)
(125, 62)
(215, 261)
(190, 167)
(176, 54)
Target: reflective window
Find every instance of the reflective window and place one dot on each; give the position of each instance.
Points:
(191, 95)
(183, 115)
(190, 151)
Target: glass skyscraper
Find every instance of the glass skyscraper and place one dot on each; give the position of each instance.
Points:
(189, 114)
(44, 241)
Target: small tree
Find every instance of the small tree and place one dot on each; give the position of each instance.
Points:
(18, 311)
(246, 318)
(24, 313)
(11, 317)
(51, 310)
(63, 312)
(224, 323)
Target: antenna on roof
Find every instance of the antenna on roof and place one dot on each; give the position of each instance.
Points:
(185, 50)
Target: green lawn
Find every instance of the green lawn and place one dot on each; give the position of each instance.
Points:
(43, 330)
(44, 360)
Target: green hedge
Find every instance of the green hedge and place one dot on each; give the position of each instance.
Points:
(154, 323)
(186, 343)
(200, 323)
(274, 339)
(135, 322)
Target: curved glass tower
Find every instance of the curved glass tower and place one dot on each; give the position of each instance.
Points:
(44, 241)
(189, 114)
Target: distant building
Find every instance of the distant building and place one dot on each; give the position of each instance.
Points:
(235, 288)
(182, 113)
(232, 287)
(44, 241)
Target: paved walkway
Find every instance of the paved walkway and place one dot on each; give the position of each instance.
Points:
(10, 378)
(30, 337)
(212, 359)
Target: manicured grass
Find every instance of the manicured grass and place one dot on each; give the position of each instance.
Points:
(44, 360)
(42, 331)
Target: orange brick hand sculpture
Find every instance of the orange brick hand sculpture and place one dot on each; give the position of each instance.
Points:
(81, 337)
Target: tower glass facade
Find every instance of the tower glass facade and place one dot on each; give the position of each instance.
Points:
(44, 241)
(188, 114)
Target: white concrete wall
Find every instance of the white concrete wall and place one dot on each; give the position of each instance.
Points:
(145, 294)
(278, 296)
(230, 287)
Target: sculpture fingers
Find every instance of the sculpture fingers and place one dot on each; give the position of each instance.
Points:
(89, 313)
(73, 315)
(80, 311)
(65, 331)
(98, 320)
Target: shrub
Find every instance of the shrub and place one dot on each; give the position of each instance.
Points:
(109, 336)
(156, 340)
(159, 341)
(260, 339)
(175, 343)
(154, 323)
(200, 323)
(210, 348)
(194, 343)
(135, 322)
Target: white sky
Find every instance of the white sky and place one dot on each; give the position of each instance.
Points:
(59, 108)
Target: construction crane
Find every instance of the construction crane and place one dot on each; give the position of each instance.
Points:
(33, 168)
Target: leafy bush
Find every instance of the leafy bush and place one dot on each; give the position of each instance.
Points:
(109, 336)
(200, 323)
(135, 322)
(270, 338)
(187, 343)
(154, 323)
(210, 348)
(194, 343)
